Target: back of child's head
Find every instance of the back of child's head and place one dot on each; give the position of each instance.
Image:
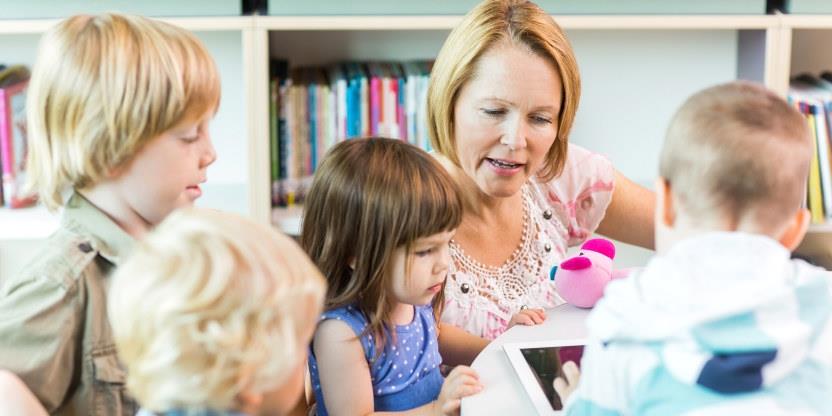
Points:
(101, 87)
(740, 153)
(211, 305)
(370, 197)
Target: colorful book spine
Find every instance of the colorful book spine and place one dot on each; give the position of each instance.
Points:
(13, 146)
(815, 195)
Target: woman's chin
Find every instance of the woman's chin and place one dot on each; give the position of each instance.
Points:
(500, 188)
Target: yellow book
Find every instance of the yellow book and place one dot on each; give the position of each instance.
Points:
(815, 195)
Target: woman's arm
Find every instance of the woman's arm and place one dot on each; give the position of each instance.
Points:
(629, 217)
(457, 346)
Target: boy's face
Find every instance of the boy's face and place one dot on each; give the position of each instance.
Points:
(167, 172)
(284, 398)
(429, 260)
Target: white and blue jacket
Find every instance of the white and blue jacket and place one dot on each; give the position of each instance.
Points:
(723, 324)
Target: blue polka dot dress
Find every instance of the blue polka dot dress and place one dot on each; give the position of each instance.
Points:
(406, 374)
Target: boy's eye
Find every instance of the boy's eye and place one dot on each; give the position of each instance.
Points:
(190, 139)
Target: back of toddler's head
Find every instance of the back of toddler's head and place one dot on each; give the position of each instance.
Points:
(737, 151)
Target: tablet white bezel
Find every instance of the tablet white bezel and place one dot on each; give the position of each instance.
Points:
(526, 375)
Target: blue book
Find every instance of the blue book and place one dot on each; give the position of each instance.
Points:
(312, 91)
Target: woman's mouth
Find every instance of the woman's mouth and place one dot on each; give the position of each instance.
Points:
(505, 167)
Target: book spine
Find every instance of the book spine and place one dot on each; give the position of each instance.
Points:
(6, 151)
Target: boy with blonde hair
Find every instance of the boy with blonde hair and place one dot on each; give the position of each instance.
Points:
(118, 113)
(213, 315)
(722, 320)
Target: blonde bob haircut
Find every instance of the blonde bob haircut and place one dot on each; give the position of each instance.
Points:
(521, 23)
(209, 305)
(102, 86)
(369, 198)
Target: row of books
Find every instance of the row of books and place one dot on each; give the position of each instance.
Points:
(812, 95)
(312, 108)
(13, 83)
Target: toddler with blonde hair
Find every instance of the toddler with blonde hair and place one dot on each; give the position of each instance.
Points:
(212, 315)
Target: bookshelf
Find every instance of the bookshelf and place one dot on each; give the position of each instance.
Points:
(713, 49)
(653, 60)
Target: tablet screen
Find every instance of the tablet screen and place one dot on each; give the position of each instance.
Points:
(546, 362)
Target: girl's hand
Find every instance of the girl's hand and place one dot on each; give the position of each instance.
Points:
(564, 388)
(461, 382)
(528, 317)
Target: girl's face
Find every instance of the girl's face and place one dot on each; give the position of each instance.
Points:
(429, 259)
(506, 118)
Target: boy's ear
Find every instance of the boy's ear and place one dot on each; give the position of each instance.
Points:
(249, 402)
(665, 211)
(796, 229)
(115, 171)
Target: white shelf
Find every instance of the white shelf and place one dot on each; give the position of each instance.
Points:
(356, 22)
(824, 228)
(37, 26)
(27, 223)
(820, 21)
(288, 220)
(675, 22)
(278, 23)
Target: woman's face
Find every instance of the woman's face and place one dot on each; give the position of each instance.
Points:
(506, 118)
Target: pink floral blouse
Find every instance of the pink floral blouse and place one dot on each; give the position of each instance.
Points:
(560, 213)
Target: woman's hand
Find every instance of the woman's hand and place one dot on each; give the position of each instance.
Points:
(461, 382)
(565, 387)
(528, 317)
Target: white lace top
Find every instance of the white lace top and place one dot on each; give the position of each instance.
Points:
(565, 211)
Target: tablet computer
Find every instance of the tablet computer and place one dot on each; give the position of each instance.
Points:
(538, 363)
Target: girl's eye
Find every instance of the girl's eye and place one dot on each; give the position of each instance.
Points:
(190, 139)
(423, 253)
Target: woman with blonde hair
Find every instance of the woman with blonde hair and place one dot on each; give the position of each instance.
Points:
(501, 102)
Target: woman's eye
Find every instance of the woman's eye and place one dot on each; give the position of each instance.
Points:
(494, 112)
(541, 120)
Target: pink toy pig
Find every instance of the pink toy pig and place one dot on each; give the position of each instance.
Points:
(580, 280)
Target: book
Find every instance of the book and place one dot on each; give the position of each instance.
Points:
(815, 195)
(13, 145)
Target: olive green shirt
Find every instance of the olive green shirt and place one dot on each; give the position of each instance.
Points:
(54, 332)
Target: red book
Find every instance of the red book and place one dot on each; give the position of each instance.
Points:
(13, 147)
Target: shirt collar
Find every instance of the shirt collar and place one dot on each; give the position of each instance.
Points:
(105, 236)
